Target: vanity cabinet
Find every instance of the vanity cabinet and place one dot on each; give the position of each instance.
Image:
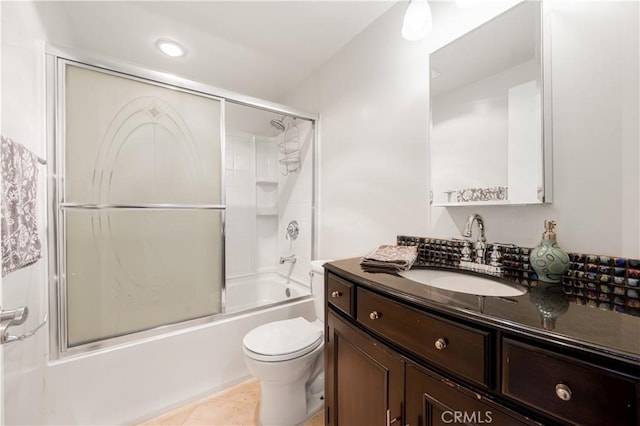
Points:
(392, 360)
(369, 383)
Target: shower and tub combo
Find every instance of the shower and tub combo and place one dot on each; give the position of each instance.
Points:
(180, 223)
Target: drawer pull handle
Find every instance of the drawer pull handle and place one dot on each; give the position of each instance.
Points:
(374, 315)
(563, 392)
(335, 294)
(441, 343)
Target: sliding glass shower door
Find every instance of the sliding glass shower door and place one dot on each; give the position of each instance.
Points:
(140, 203)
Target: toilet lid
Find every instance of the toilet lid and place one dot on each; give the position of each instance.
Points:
(282, 337)
(317, 265)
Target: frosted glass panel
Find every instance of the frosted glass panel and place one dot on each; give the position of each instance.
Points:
(132, 270)
(127, 141)
(131, 142)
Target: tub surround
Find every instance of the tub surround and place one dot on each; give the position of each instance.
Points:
(500, 351)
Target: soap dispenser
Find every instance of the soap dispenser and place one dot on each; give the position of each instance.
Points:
(548, 260)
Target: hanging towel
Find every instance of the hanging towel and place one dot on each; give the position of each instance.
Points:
(20, 241)
(388, 258)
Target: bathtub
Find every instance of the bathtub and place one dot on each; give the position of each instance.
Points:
(133, 382)
(249, 292)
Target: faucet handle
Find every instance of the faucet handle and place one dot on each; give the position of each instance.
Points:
(292, 230)
(495, 256)
(466, 251)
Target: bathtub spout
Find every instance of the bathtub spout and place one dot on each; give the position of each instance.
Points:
(287, 259)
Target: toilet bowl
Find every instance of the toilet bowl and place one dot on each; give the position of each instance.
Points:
(286, 356)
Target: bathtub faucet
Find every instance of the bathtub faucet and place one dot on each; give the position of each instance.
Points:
(288, 259)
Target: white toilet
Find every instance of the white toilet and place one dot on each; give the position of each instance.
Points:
(286, 356)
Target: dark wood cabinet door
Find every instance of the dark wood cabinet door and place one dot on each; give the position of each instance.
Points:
(364, 383)
(432, 400)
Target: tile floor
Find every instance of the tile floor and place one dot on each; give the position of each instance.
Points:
(236, 406)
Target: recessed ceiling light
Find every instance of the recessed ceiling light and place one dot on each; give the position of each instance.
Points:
(171, 48)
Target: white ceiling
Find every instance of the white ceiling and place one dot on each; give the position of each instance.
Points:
(258, 48)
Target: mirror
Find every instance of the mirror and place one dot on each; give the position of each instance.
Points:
(488, 144)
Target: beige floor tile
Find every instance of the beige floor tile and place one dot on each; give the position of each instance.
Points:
(173, 418)
(248, 391)
(223, 412)
(317, 420)
(237, 406)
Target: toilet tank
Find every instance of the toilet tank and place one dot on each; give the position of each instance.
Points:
(317, 286)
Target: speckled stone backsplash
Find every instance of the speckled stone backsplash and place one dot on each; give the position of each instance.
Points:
(604, 282)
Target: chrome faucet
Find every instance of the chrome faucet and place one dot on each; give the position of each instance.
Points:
(479, 263)
(467, 227)
(287, 259)
(480, 246)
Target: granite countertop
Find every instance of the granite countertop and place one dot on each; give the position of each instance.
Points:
(601, 331)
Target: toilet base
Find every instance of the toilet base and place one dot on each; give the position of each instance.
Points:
(290, 404)
(315, 401)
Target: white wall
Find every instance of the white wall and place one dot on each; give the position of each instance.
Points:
(373, 99)
(23, 87)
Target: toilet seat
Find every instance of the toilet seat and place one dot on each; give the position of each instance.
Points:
(282, 340)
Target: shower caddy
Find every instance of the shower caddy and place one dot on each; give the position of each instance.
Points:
(289, 148)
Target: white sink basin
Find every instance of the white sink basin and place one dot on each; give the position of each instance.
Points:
(463, 283)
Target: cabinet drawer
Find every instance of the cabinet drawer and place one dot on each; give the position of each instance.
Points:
(340, 294)
(459, 349)
(571, 390)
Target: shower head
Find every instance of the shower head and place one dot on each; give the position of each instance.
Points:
(278, 124)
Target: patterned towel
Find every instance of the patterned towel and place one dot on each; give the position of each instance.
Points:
(387, 258)
(493, 193)
(20, 241)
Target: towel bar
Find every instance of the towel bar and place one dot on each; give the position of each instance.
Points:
(22, 314)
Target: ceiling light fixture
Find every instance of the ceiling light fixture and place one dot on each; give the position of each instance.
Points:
(417, 20)
(171, 48)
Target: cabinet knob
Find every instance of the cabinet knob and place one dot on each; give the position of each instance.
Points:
(563, 392)
(441, 343)
(335, 294)
(374, 315)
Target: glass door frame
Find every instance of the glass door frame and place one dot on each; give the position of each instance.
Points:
(56, 60)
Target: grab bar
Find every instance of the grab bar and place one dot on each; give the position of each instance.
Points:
(142, 206)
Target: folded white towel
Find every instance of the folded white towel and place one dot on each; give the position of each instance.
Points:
(19, 228)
